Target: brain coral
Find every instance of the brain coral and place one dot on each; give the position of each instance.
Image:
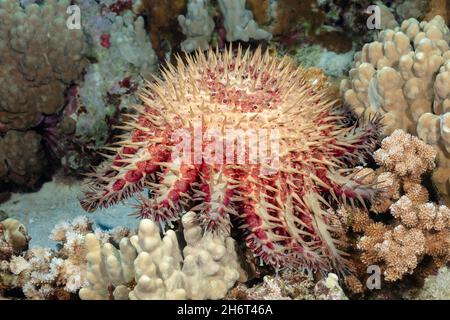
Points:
(405, 76)
(277, 199)
(39, 56)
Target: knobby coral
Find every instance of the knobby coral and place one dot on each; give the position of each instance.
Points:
(149, 267)
(278, 199)
(39, 57)
(405, 76)
(397, 75)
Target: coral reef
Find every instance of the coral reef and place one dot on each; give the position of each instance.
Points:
(333, 64)
(412, 9)
(290, 285)
(239, 23)
(417, 228)
(438, 8)
(44, 273)
(278, 202)
(329, 289)
(261, 10)
(147, 266)
(405, 76)
(163, 21)
(197, 25)
(122, 56)
(249, 177)
(335, 25)
(13, 240)
(436, 287)
(284, 286)
(39, 58)
(22, 159)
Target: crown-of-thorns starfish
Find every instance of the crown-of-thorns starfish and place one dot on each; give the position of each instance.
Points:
(283, 212)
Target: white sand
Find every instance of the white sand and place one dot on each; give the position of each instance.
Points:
(57, 201)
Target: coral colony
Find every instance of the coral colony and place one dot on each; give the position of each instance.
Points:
(281, 211)
(270, 149)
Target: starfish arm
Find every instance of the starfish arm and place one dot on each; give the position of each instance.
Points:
(330, 232)
(257, 223)
(295, 218)
(349, 186)
(123, 176)
(170, 194)
(214, 197)
(357, 143)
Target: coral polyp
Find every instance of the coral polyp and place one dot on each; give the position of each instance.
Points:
(244, 139)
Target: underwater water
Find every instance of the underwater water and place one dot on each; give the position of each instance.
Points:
(224, 149)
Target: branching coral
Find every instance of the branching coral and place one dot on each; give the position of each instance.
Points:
(239, 22)
(147, 266)
(122, 61)
(278, 200)
(43, 273)
(405, 76)
(405, 156)
(198, 26)
(122, 55)
(417, 228)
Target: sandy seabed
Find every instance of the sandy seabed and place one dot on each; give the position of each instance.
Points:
(57, 201)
